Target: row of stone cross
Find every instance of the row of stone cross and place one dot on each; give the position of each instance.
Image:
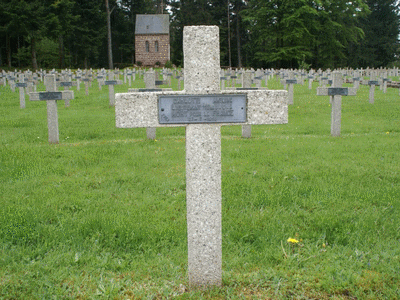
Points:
(248, 78)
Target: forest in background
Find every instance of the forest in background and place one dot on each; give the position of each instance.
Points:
(253, 33)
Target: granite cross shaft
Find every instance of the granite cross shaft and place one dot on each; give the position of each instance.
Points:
(336, 92)
(51, 97)
(202, 108)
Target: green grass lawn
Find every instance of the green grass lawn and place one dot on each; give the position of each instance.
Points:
(103, 215)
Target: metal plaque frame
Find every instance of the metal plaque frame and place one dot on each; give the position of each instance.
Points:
(188, 109)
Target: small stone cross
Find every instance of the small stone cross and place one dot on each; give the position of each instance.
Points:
(372, 82)
(111, 84)
(21, 85)
(290, 82)
(51, 97)
(336, 92)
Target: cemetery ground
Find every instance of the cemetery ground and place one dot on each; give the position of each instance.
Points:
(102, 214)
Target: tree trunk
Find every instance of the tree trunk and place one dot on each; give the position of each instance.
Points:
(61, 61)
(238, 40)
(8, 46)
(33, 53)
(110, 60)
(229, 39)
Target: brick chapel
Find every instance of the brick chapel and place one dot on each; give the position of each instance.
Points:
(152, 39)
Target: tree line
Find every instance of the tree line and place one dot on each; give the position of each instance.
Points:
(253, 33)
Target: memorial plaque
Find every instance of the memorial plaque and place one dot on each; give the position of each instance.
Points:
(78, 77)
(246, 89)
(85, 79)
(223, 78)
(233, 77)
(159, 82)
(150, 90)
(66, 83)
(258, 78)
(291, 81)
(324, 78)
(178, 109)
(338, 91)
(330, 82)
(110, 82)
(50, 96)
(310, 77)
(373, 82)
(21, 84)
(100, 77)
(356, 78)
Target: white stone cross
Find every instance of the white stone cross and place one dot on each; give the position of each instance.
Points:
(51, 97)
(290, 82)
(336, 92)
(372, 82)
(21, 85)
(67, 83)
(111, 84)
(201, 100)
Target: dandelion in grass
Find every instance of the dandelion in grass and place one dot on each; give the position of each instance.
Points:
(292, 241)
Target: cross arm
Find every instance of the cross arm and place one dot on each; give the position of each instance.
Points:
(141, 109)
(64, 95)
(334, 91)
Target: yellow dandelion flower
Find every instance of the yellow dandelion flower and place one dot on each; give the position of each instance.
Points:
(293, 241)
(387, 132)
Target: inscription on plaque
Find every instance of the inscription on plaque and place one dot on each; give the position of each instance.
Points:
(50, 96)
(159, 82)
(66, 83)
(21, 84)
(291, 81)
(150, 90)
(338, 91)
(110, 82)
(373, 82)
(202, 109)
(249, 88)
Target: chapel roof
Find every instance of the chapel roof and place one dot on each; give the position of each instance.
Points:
(152, 24)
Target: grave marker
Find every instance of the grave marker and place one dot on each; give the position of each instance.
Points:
(336, 92)
(51, 97)
(111, 84)
(203, 140)
(372, 83)
(21, 86)
(290, 82)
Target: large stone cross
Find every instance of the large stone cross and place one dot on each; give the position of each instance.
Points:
(51, 96)
(202, 108)
(336, 92)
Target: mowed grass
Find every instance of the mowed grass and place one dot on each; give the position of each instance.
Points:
(103, 213)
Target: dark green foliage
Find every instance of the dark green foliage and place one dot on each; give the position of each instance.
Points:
(381, 45)
(254, 33)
